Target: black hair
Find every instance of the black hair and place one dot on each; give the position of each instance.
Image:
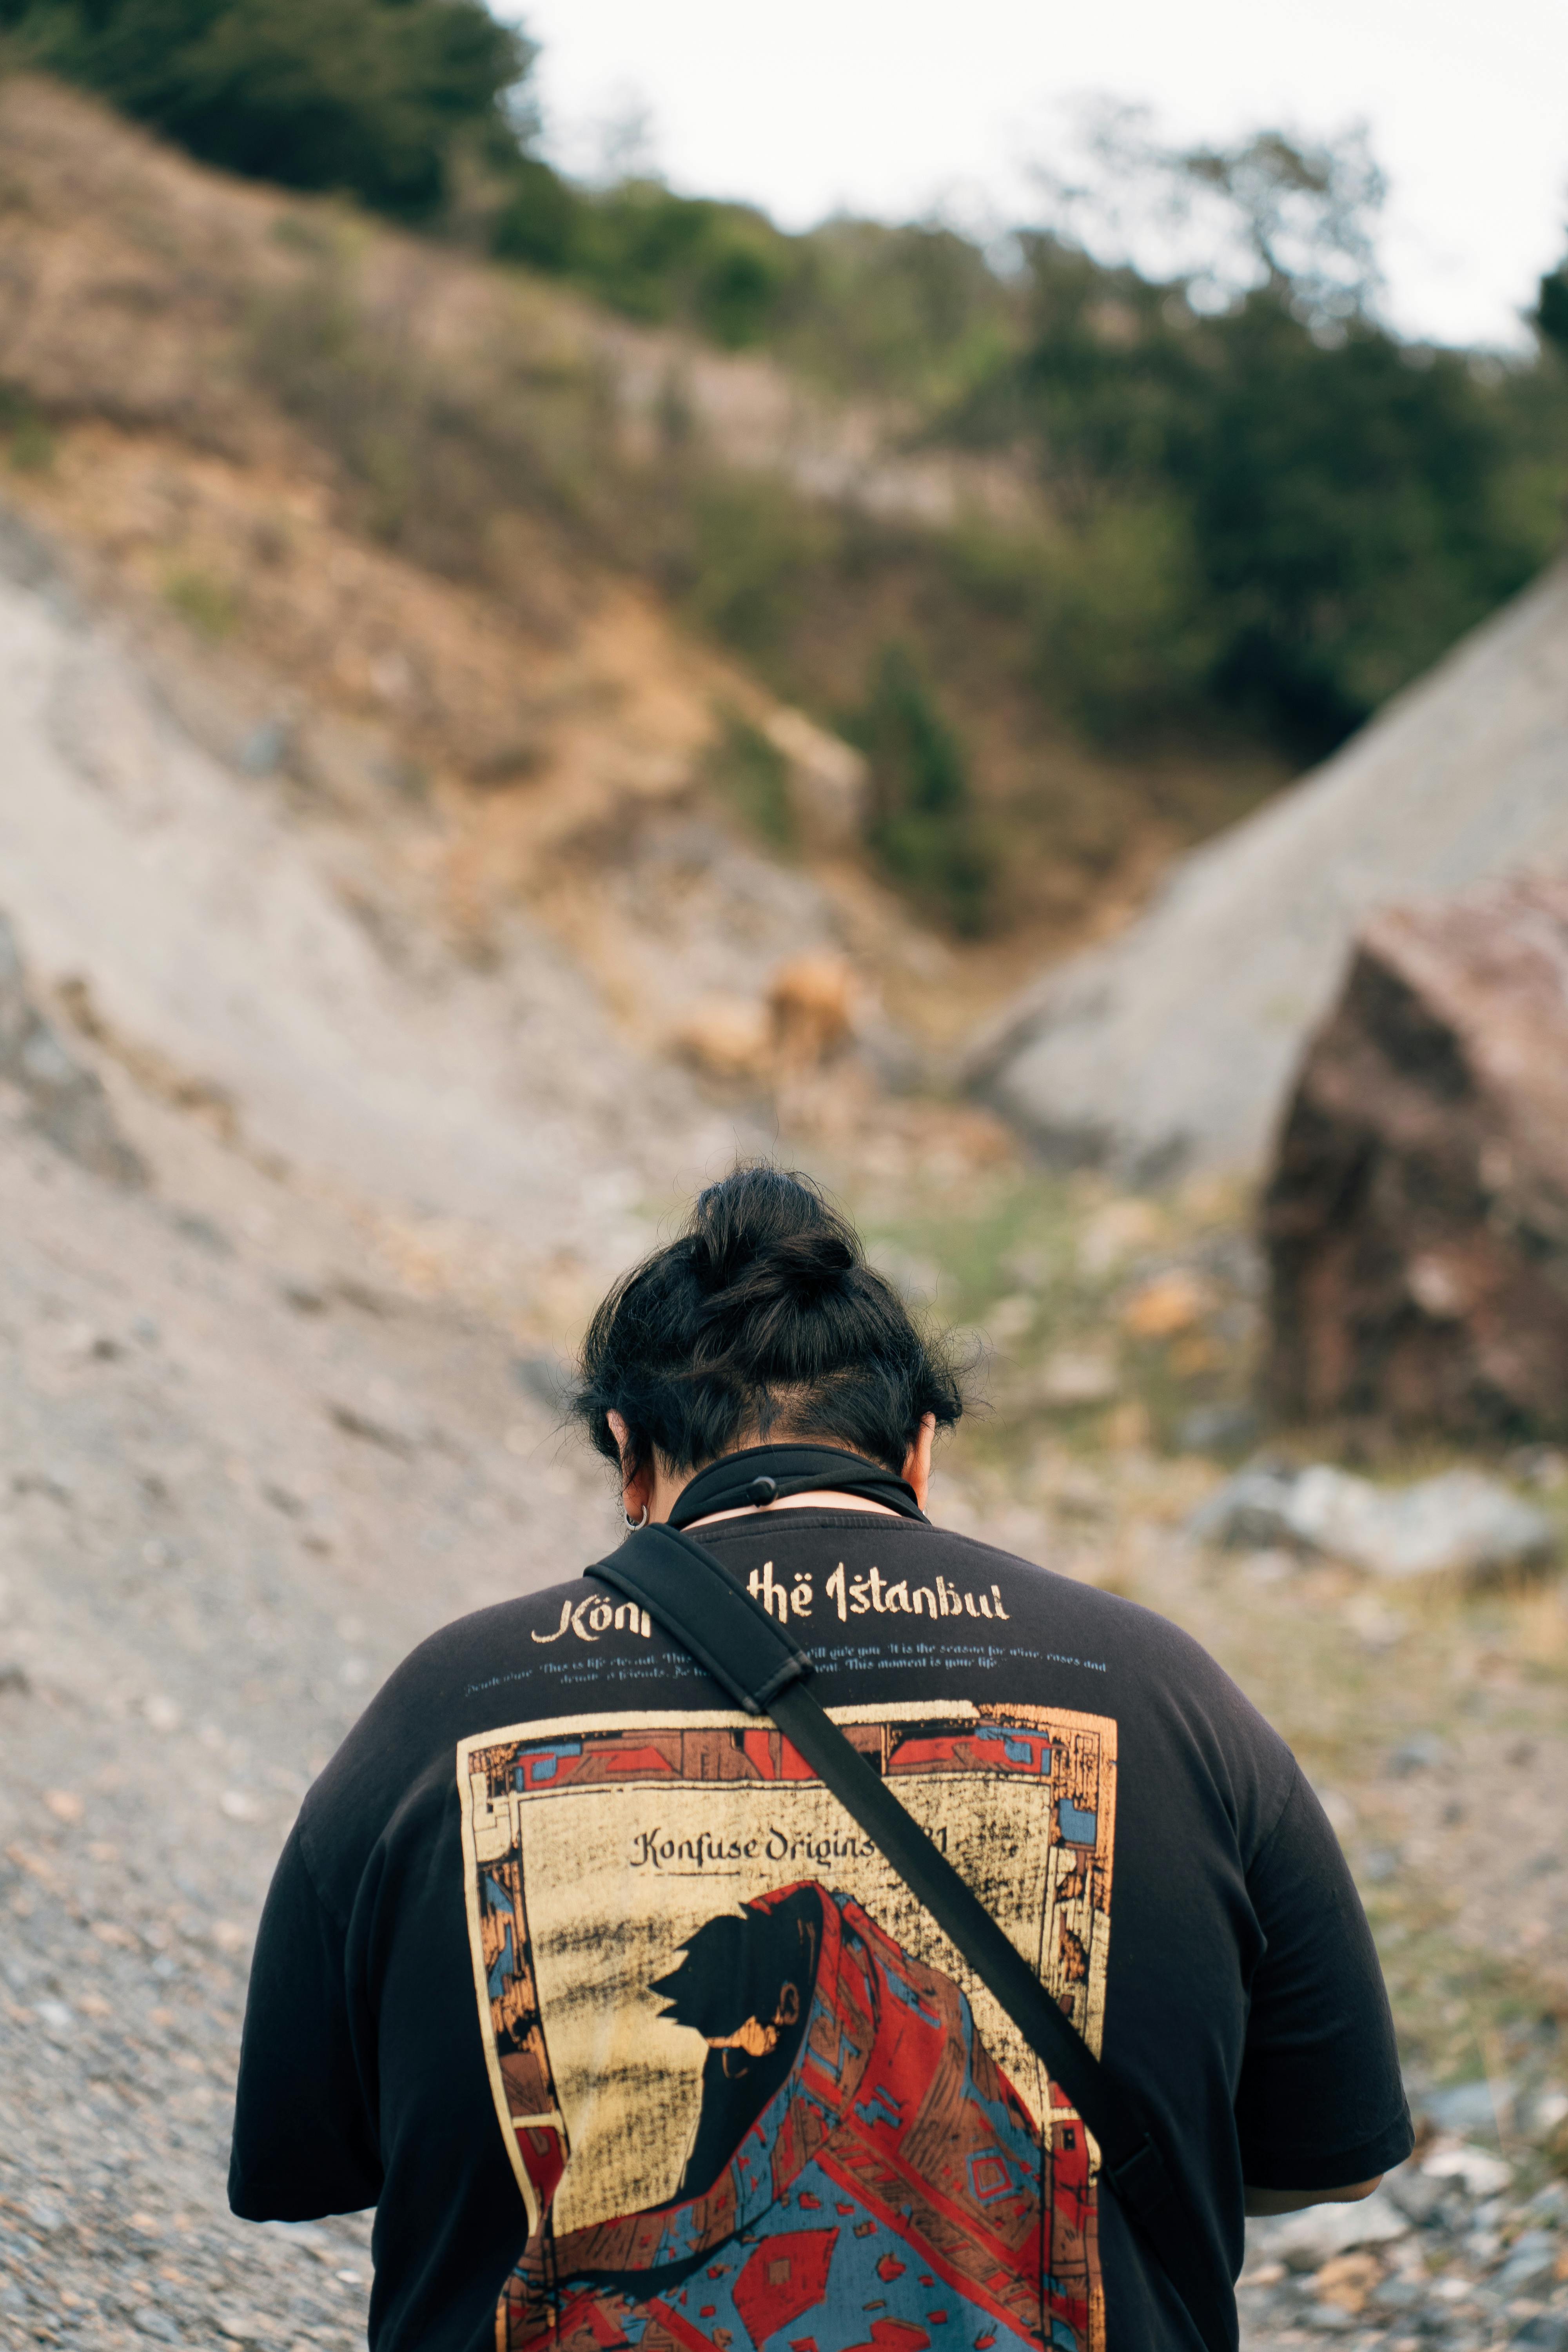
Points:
(736, 1967)
(763, 1319)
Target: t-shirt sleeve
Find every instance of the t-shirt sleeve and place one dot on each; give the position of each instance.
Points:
(304, 2137)
(1321, 2103)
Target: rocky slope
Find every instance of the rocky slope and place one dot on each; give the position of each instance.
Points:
(1171, 1048)
(287, 974)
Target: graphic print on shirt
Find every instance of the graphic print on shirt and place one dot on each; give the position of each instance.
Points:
(750, 2093)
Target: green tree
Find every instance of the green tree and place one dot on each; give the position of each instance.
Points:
(1343, 504)
(718, 268)
(368, 96)
(1347, 508)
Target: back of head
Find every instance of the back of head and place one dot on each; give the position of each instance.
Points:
(761, 1321)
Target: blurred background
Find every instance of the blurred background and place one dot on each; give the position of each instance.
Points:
(975, 604)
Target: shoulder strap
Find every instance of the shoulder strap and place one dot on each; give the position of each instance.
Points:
(686, 1591)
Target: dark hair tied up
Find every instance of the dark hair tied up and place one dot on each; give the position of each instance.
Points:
(761, 1321)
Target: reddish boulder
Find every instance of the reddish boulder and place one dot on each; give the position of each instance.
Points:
(1417, 1221)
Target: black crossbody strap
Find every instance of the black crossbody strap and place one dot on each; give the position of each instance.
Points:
(684, 1590)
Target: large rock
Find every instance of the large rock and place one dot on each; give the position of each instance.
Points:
(1175, 1046)
(1461, 1524)
(1304, 2240)
(1417, 1221)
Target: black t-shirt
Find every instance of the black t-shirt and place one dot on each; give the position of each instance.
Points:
(633, 2038)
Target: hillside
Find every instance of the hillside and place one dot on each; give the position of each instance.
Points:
(455, 508)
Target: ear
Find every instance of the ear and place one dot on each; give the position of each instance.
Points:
(637, 1486)
(916, 1461)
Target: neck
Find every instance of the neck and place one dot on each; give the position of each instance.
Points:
(821, 1499)
(793, 1474)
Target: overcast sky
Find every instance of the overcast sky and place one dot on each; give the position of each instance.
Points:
(893, 107)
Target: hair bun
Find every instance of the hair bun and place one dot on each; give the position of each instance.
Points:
(761, 1229)
(809, 1263)
(761, 1320)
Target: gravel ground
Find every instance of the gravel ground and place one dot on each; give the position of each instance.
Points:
(229, 1501)
(242, 1471)
(1449, 2264)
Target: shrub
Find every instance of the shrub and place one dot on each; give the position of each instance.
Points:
(29, 443)
(914, 310)
(437, 453)
(537, 224)
(752, 556)
(208, 603)
(753, 776)
(649, 253)
(921, 821)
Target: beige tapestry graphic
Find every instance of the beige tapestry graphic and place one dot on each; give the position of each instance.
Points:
(595, 1857)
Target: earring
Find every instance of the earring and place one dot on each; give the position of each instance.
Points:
(634, 1526)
